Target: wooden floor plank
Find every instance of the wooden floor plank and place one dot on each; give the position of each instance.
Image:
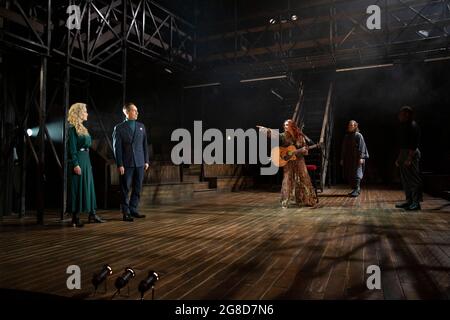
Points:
(243, 246)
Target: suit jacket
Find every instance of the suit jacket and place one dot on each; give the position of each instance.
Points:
(130, 150)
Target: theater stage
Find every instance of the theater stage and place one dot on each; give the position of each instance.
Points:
(243, 246)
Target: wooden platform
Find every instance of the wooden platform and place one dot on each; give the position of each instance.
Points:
(244, 246)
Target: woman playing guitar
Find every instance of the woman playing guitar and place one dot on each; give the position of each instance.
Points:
(296, 184)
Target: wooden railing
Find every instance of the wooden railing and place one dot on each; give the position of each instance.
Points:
(326, 135)
(299, 112)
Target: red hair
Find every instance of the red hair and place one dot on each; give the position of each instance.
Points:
(295, 131)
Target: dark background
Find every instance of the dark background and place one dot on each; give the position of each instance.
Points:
(371, 97)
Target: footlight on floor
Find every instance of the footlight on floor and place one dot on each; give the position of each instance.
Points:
(99, 278)
(148, 283)
(124, 279)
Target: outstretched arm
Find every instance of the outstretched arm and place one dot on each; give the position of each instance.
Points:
(269, 132)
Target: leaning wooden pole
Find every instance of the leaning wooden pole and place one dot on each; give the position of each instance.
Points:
(325, 137)
(296, 115)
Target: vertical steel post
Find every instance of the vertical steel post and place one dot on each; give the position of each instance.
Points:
(40, 203)
(66, 104)
(124, 53)
(3, 134)
(65, 127)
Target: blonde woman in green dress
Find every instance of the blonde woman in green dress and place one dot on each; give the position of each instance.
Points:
(81, 180)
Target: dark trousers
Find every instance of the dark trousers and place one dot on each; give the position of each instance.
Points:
(411, 178)
(359, 173)
(353, 174)
(132, 179)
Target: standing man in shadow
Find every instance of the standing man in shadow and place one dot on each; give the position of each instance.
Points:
(132, 159)
(408, 160)
(353, 157)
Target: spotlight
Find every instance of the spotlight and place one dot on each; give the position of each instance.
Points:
(168, 70)
(294, 17)
(272, 21)
(148, 283)
(97, 279)
(123, 280)
(54, 129)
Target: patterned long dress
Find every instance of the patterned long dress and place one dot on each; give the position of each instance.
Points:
(296, 184)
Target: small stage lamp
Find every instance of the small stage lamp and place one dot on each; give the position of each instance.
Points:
(100, 277)
(148, 283)
(123, 280)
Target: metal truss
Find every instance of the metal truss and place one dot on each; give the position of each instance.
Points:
(332, 34)
(107, 30)
(156, 32)
(98, 41)
(26, 26)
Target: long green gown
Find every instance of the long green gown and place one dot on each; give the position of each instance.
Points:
(82, 191)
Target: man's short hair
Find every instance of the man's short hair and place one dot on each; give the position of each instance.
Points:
(408, 110)
(127, 106)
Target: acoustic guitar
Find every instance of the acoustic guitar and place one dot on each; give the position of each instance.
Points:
(282, 155)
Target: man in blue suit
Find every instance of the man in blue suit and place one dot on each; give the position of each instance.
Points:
(132, 159)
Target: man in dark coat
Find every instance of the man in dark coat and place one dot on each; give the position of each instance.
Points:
(132, 159)
(408, 159)
(353, 157)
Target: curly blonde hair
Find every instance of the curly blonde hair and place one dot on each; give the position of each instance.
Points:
(74, 118)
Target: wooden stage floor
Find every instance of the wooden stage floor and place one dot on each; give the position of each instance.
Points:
(244, 246)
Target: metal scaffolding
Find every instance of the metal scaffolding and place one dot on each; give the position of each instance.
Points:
(327, 34)
(96, 43)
